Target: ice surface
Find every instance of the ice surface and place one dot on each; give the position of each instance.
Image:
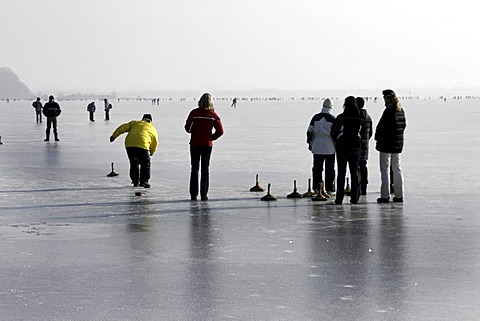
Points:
(78, 245)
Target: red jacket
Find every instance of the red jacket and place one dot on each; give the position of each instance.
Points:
(200, 123)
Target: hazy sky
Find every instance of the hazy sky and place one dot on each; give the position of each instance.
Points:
(107, 45)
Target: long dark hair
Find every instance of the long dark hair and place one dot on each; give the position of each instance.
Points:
(350, 107)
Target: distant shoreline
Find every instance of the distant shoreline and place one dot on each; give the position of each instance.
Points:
(172, 97)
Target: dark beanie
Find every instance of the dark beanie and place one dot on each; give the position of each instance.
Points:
(147, 116)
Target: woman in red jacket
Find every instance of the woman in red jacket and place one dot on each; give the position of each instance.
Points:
(199, 124)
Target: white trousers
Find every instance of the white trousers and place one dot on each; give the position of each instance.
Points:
(385, 160)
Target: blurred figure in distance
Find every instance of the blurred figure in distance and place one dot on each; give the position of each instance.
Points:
(51, 111)
(37, 104)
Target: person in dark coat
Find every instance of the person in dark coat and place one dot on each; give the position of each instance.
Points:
(51, 110)
(390, 140)
(364, 145)
(37, 104)
(107, 108)
(91, 110)
(346, 132)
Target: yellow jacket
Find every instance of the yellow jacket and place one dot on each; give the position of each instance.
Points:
(141, 134)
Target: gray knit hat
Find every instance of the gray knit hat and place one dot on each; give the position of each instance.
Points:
(327, 103)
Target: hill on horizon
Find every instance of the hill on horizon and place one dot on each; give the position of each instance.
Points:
(11, 87)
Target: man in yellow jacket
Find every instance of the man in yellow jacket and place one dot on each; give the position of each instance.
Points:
(140, 143)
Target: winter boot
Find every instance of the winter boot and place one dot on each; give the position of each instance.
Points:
(56, 136)
(47, 132)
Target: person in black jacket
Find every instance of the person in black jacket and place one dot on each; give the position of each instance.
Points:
(364, 145)
(346, 132)
(107, 108)
(91, 110)
(51, 110)
(37, 104)
(389, 137)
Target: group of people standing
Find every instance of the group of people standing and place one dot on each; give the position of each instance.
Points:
(51, 110)
(345, 138)
(91, 108)
(142, 140)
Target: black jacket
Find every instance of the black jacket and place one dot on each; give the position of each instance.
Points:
(51, 109)
(389, 132)
(347, 132)
(367, 135)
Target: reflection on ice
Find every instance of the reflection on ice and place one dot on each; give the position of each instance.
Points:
(73, 237)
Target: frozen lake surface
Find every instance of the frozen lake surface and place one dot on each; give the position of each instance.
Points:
(78, 245)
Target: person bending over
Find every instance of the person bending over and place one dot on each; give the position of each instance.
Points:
(140, 143)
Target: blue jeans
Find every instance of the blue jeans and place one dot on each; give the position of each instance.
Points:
(352, 157)
(317, 171)
(391, 164)
(199, 154)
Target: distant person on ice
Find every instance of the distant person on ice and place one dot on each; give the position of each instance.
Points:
(108, 106)
(389, 137)
(37, 104)
(51, 110)
(234, 103)
(140, 143)
(199, 124)
(321, 145)
(91, 110)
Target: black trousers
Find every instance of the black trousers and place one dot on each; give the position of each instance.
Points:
(317, 170)
(363, 176)
(197, 154)
(139, 164)
(39, 116)
(352, 158)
